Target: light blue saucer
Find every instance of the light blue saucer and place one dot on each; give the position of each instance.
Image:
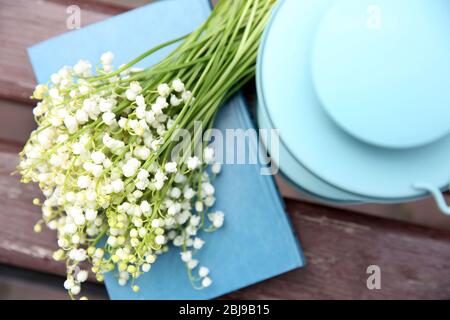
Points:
(360, 93)
(381, 69)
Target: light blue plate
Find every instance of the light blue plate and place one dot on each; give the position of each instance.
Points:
(297, 175)
(381, 69)
(314, 102)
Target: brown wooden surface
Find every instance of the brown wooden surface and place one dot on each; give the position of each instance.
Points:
(26, 22)
(25, 284)
(338, 244)
(22, 24)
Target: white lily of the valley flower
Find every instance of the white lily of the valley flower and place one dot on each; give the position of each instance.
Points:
(164, 90)
(105, 105)
(82, 67)
(71, 124)
(203, 272)
(107, 58)
(171, 167)
(191, 264)
(206, 282)
(140, 101)
(174, 101)
(208, 155)
(142, 153)
(135, 87)
(198, 243)
(131, 95)
(178, 85)
(117, 186)
(186, 256)
(91, 214)
(108, 118)
(216, 168)
(81, 116)
(98, 157)
(217, 218)
(193, 162)
(82, 276)
(160, 239)
(83, 182)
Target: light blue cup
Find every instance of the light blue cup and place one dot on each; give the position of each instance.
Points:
(360, 93)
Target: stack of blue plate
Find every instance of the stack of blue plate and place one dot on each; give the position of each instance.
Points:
(360, 93)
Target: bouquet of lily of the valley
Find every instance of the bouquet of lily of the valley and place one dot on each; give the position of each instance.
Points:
(119, 185)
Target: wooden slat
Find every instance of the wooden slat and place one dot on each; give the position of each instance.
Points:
(423, 212)
(27, 22)
(19, 284)
(339, 246)
(19, 246)
(16, 121)
(112, 7)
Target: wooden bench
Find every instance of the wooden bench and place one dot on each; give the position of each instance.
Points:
(339, 243)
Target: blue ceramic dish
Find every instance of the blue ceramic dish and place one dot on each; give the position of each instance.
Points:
(357, 89)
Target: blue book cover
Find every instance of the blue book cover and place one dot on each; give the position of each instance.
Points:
(256, 242)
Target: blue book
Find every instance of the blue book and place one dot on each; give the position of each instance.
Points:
(256, 242)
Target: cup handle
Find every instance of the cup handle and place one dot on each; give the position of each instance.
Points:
(437, 195)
